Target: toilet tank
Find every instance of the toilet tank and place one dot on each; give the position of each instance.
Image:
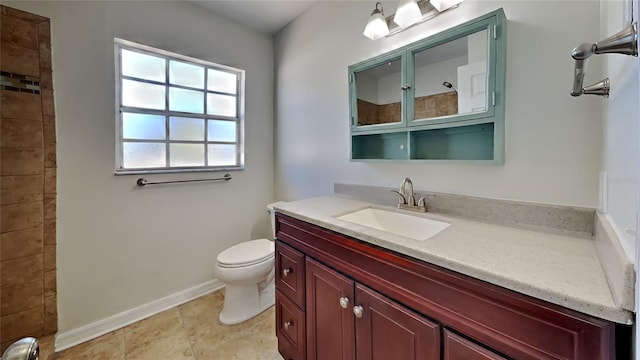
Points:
(272, 215)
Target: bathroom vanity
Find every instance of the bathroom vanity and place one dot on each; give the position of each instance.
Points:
(341, 294)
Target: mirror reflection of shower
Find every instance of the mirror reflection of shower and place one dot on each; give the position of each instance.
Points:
(449, 85)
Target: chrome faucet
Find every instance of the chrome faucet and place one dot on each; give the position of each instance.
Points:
(406, 200)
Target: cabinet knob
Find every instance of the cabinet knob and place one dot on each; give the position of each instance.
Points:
(286, 271)
(357, 311)
(405, 87)
(344, 302)
(287, 324)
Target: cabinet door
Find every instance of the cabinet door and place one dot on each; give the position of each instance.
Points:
(391, 331)
(330, 326)
(458, 348)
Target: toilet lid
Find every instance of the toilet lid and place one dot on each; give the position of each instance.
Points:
(247, 253)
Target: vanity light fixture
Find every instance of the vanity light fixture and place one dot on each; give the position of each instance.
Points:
(442, 5)
(376, 25)
(408, 13)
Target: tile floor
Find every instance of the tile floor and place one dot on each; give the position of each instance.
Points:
(189, 331)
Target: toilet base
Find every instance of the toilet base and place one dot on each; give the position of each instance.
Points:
(242, 302)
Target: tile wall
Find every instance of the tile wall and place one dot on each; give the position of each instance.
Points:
(425, 107)
(27, 178)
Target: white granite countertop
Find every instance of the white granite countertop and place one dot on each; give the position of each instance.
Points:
(560, 269)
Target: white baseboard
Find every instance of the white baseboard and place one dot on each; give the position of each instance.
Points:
(65, 340)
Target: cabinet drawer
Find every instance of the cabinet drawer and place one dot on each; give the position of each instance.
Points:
(290, 328)
(459, 348)
(290, 273)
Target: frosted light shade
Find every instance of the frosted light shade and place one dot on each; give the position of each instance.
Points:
(142, 95)
(186, 74)
(186, 100)
(222, 81)
(408, 13)
(222, 154)
(143, 155)
(186, 129)
(186, 155)
(142, 66)
(222, 105)
(442, 5)
(143, 126)
(376, 27)
(220, 130)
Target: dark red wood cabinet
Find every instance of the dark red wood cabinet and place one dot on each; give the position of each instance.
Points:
(339, 298)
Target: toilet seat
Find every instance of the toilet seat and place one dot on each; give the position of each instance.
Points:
(247, 253)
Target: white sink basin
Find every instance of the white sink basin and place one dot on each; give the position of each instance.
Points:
(413, 227)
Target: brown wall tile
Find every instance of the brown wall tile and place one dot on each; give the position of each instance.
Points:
(22, 15)
(49, 258)
(50, 315)
(19, 60)
(46, 80)
(20, 271)
(17, 244)
(49, 126)
(49, 206)
(22, 188)
(21, 216)
(22, 297)
(27, 189)
(44, 32)
(50, 232)
(50, 283)
(20, 105)
(50, 156)
(21, 324)
(21, 133)
(50, 181)
(19, 32)
(44, 49)
(48, 105)
(22, 161)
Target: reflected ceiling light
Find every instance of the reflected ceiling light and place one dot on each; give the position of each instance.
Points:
(442, 5)
(449, 85)
(408, 13)
(377, 24)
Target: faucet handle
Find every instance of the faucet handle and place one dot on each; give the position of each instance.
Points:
(401, 199)
(422, 202)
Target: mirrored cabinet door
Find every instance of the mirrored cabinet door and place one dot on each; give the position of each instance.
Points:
(379, 94)
(451, 78)
(376, 93)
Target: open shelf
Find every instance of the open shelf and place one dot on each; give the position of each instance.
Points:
(386, 146)
(473, 142)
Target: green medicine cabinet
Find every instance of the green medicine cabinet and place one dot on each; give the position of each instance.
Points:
(438, 100)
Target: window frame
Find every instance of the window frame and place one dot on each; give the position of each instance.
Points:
(239, 119)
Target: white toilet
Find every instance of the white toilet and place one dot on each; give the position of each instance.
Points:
(247, 269)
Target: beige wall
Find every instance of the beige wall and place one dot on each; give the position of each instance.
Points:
(28, 197)
(121, 246)
(553, 141)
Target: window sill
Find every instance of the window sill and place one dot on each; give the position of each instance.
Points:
(181, 170)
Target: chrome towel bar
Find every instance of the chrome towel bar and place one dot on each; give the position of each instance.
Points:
(144, 182)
